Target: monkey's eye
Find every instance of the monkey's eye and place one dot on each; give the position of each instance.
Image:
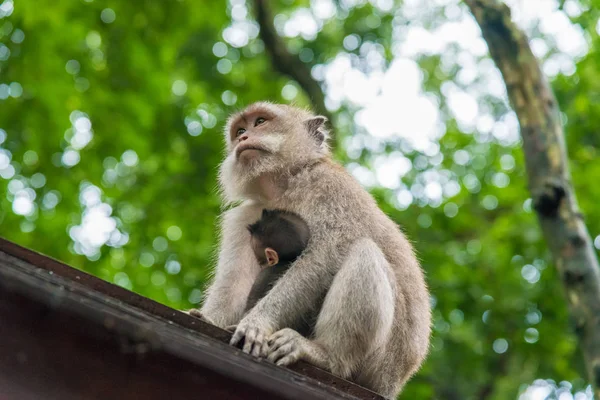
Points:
(240, 132)
(259, 121)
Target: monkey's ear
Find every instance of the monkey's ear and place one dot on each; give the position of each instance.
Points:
(271, 256)
(315, 127)
(265, 213)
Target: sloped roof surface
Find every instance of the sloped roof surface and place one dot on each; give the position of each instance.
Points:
(65, 334)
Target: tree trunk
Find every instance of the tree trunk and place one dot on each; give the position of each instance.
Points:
(549, 177)
(289, 64)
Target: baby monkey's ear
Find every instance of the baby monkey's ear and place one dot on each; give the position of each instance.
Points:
(271, 256)
(315, 127)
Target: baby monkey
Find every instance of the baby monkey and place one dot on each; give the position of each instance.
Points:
(277, 239)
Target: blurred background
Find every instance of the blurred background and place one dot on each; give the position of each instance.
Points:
(110, 138)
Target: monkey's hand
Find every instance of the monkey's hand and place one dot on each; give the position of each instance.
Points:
(288, 346)
(255, 331)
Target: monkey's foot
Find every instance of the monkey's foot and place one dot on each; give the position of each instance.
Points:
(288, 346)
(194, 312)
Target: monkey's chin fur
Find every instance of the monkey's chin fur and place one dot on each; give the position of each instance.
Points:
(237, 177)
(249, 156)
(238, 174)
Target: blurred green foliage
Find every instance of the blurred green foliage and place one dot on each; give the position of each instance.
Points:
(110, 119)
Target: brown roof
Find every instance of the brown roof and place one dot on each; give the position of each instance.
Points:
(65, 334)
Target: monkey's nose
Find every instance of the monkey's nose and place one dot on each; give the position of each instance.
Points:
(242, 138)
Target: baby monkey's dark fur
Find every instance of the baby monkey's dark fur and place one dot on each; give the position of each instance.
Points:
(278, 238)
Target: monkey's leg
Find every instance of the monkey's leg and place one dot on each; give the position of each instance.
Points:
(355, 319)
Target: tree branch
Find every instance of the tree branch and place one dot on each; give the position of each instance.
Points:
(287, 63)
(549, 177)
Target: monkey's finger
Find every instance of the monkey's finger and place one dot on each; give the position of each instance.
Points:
(289, 359)
(264, 350)
(237, 336)
(280, 352)
(231, 328)
(280, 341)
(274, 337)
(249, 341)
(258, 344)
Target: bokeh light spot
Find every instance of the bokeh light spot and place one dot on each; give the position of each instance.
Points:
(424, 220)
(179, 87)
(531, 335)
(37, 180)
(4, 91)
(4, 52)
(130, 158)
(194, 128)
(219, 49)
(289, 92)
(224, 66)
(30, 157)
(23, 204)
(70, 158)
(530, 273)
(158, 278)
(451, 210)
(195, 296)
(489, 202)
(173, 267)
(93, 40)
(351, 42)
(15, 89)
(174, 233)
(146, 259)
(229, 98)
(500, 346)
(160, 243)
(108, 16)
(18, 36)
(73, 67)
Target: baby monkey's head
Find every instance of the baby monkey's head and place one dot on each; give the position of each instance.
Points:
(278, 237)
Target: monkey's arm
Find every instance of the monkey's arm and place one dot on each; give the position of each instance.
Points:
(296, 293)
(264, 282)
(236, 269)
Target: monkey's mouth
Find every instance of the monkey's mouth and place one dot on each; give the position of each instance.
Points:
(241, 148)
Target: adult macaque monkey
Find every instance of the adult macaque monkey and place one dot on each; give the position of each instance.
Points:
(358, 271)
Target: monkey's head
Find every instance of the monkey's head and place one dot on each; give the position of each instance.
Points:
(269, 138)
(278, 237)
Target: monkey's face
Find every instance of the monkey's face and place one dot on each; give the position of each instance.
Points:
(255, 135)
(269, 138)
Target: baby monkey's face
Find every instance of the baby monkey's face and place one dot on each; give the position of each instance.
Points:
(266, 256)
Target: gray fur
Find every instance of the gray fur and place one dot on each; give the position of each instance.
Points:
(359, 271)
